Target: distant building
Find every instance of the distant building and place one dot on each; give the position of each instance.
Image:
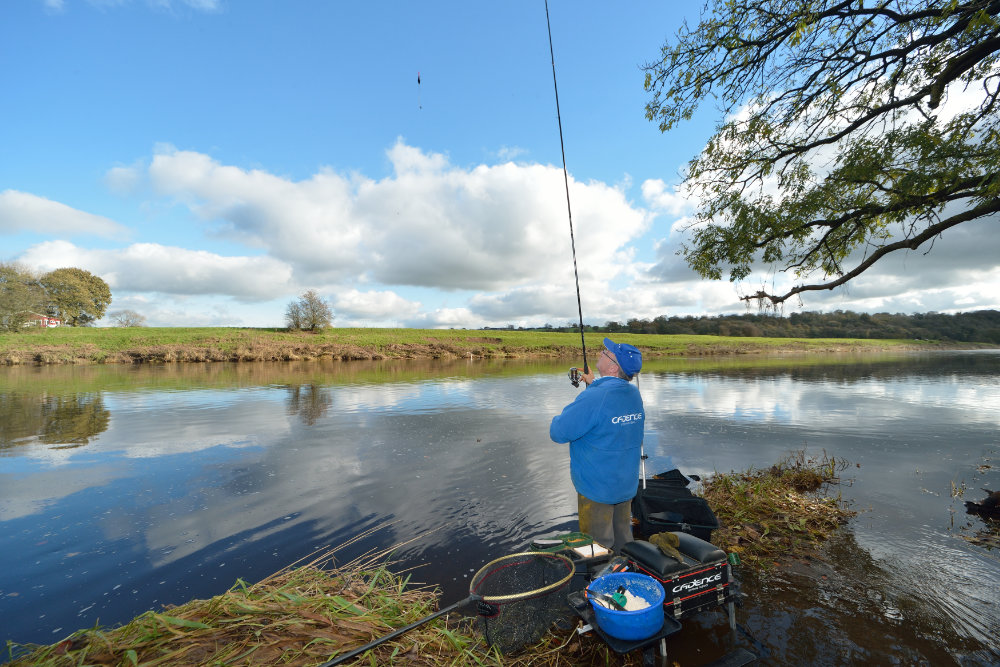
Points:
(38, 320)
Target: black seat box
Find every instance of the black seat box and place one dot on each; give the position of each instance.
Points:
(701, 580)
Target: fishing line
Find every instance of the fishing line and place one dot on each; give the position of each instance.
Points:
(569, 209)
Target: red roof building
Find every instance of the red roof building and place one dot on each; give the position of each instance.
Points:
(38, 320)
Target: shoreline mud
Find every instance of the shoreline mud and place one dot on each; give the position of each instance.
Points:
(161, 346)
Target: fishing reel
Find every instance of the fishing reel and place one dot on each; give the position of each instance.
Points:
(576, 375)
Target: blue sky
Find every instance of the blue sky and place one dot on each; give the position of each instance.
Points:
(213, 159)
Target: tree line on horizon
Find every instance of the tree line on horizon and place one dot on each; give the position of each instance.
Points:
(982, 326)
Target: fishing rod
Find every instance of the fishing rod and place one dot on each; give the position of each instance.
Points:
(574, 373)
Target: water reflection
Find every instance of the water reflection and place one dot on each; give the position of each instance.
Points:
(865, 611)
(66, 421)
(202, 474)
(308, 402)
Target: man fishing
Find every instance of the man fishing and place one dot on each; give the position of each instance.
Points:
(604, 429)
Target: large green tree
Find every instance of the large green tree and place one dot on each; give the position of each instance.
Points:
(20, 295)
(77, 296)
(852, 129)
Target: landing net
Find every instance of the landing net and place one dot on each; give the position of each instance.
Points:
(520, 597)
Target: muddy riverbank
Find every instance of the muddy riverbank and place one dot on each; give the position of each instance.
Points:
(198, 345)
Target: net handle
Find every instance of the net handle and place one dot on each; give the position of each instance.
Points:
(473, 597)
(401, 631)
(480, 575)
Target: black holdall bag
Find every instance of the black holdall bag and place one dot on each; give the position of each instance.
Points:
(667, 504)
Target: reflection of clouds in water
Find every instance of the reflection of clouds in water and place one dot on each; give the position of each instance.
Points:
(383, 449)
(187, 424)
(140, 401)
(411, 397)
(180, 424)
(831, 405)
(448, 393)
(487, 468)
(465, 469)
(976, 400)
(301, 478)
(407, 435)
(26, 495)
(146, 425)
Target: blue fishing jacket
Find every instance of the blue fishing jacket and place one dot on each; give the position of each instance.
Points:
(603, 427)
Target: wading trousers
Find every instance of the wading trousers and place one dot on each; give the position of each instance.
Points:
(609, 525)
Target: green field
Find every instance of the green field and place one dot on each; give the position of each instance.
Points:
(199, 344)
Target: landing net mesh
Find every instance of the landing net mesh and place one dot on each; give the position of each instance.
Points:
(521, 597)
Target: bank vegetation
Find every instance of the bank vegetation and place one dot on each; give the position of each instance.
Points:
(787, 509)
(128, 345)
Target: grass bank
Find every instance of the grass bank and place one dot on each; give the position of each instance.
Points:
(67, 345)
(299, 616)
(306, 614)
(785, 510)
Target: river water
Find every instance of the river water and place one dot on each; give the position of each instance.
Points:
(123, 489)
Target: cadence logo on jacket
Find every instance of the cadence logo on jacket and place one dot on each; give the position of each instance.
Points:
(624, 419)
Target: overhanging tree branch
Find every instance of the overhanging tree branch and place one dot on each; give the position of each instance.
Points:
(906, 244)
(836, 130)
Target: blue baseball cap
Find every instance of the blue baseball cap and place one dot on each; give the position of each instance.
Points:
(628, 356)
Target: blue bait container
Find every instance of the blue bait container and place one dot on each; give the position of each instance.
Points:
(638, 624)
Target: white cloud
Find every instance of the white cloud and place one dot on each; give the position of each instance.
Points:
(373, 306)
(667, 198)
(429, 225)
(204, 5)
(443, 318)
(509, 153)
(23, 211)
(522, 304)
(958, 272)
(149, 267)
(494, 238)
(497, 230)
(209, 311)
(164, 5)
(124, 180)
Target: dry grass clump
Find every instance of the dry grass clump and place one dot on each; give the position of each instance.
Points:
(297, 616)
(988, 536)
(306, 615)
(778, 511)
